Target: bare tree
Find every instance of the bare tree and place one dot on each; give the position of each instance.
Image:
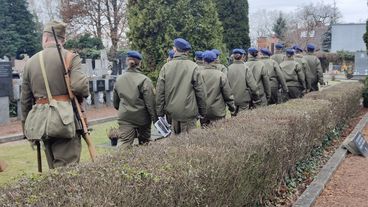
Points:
(261, 23)
(105, 19)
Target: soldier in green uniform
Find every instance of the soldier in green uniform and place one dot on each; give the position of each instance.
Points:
(135, 99)
(181, 93)
(59, 151)
(315, 67)
(294, 75)
(304, 65)
(279, 55)
(219, 66)
(260, 75)
(219, 93)
(276, 76)
(241, 81)
(199, 59)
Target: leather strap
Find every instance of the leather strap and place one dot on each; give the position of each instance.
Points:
(57, 98)
(44, 75)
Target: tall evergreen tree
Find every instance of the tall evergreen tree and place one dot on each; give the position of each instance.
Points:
(154, 24)
(365, 37)
(234, 17)
(18, 30)
(279, 28)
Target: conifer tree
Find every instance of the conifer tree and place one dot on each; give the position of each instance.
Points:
(18, 30)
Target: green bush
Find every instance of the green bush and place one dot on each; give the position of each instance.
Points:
(237, 162)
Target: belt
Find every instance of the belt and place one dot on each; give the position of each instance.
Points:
(57, 98)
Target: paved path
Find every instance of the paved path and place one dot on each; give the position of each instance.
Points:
(349, 185)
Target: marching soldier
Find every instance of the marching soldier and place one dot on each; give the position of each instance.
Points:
(241, 81)
(304, 65)
(315, 67)
(59, 151)
(294, 76)
(279, 55)
(219, 66)
(199, 59)
(219, 93)
(276, 76)
(260, 75)
(180, 90)
(135, 99)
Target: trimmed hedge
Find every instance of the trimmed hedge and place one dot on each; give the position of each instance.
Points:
(237, 162)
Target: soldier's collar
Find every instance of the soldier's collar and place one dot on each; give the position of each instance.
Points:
(238, 62)
(180, 56)
(134, 69)
(252, 59)
(50, 45)
(210, 66)
(265, 57)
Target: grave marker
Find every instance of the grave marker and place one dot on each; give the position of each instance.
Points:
(358, 145)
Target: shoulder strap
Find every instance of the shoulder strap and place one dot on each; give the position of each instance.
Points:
(49, 96)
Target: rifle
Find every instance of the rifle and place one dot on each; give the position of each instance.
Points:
(39, 161)
(76, 105)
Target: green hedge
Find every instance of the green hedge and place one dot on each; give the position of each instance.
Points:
(237, 162)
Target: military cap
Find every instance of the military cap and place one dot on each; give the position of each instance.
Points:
(199, 55)
(310, 47)
(290, 51)
(252, 50)
(279, 46)
(243, 51)
(217, 52)
(238, 51)
(297, 48)
(265, 51)
(59, 28)
(134, 54)
(171, 54)
(209, 56)
(182, 44)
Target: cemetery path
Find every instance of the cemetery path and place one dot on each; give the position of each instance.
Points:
(349, 185)
(15, 126)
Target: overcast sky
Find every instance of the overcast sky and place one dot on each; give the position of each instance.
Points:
(353, 11)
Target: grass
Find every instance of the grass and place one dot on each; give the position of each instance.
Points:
(22, 160)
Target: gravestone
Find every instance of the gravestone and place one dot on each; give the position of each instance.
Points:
(358, 145)
(5, 90)
(361, 63)
(89, 67)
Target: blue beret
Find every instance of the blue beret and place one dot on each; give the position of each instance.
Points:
(134, 54)
(171, 54)
(290, 51)
(265, 51)
(279, 46)
(252, 50)
(311, 47)
(297, 48)
(238, 51)
(199, 55)
(209, 56)
(182, 44)
(217, 52)
(243, 51)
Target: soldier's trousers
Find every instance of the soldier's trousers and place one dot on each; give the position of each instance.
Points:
(294, 92)
(183, 126)
(128, 132)
(61, 152)
(275, 96)
(207, 122)
(314, 85)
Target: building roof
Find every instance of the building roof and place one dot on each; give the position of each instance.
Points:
(348, 37)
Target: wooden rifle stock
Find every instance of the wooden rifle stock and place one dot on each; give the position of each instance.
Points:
(39, 159)
(76, 105)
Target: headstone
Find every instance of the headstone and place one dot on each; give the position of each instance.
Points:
(361, 63)
(4, 110)
(5, 79)
(90, 71)
(358, 145)
(98, 68)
